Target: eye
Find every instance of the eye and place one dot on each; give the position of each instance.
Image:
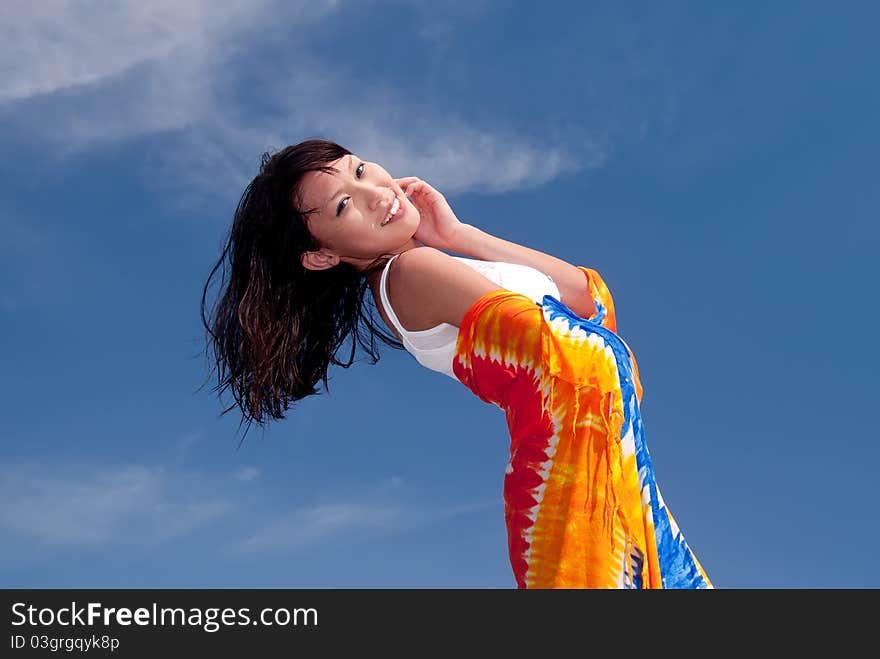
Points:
(359, 172)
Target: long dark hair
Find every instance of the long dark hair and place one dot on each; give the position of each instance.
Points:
(277, 325)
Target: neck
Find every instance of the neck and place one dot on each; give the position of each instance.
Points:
(375, 277)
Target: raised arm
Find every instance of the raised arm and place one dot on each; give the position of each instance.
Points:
(569, 279)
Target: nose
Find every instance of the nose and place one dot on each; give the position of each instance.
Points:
(381, 197)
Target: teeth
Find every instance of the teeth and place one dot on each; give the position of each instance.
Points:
(395, 206)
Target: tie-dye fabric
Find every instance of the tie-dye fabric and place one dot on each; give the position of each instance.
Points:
(582, 507)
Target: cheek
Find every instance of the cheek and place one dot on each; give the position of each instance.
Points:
(325, 232)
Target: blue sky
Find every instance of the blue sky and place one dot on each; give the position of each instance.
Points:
(718, 166)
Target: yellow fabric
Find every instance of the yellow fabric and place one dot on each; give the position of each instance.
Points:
(581, 504)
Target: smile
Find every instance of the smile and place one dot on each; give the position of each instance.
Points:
(393, 212)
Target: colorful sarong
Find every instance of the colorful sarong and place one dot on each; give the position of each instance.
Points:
(581, 504)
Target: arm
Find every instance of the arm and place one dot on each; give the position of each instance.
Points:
(440, 228)
(428, 287)
(570, 280)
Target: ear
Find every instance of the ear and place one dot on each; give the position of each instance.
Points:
(320, 260)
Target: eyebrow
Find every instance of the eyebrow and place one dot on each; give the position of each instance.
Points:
(339, 191)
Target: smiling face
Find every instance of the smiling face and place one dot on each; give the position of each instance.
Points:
(350, 207)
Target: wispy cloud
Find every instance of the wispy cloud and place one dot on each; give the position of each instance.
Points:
(184, 444)
(246, 474)
(373, 510)
(83, 74)
(100, 508)
(321, 522)
(221, 156)
(61, 44)
(90, 506)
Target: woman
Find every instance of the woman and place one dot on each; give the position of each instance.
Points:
(523, 330)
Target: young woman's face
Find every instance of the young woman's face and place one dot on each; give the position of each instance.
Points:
(351, 206)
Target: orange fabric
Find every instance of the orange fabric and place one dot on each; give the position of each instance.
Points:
(581, 504)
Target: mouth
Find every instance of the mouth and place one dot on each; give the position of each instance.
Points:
(394, 212)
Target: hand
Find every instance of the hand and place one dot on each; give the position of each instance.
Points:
(439, 226)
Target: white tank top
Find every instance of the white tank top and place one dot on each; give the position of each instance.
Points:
(434, 348)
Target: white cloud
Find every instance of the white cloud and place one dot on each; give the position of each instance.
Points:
(221, 155)
(246, 474)
(104, 507)
(53, 45)
(83, 72)
(185, 444)
(372, 510)
(80, 74)
(322, 521)
(93, 506)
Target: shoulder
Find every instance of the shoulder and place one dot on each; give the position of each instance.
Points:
(421, 265)
(430, 266)
(433, 287)
(422, 256)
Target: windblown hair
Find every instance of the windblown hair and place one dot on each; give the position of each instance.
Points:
(277, 325)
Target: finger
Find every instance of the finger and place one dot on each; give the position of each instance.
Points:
(413, 187)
